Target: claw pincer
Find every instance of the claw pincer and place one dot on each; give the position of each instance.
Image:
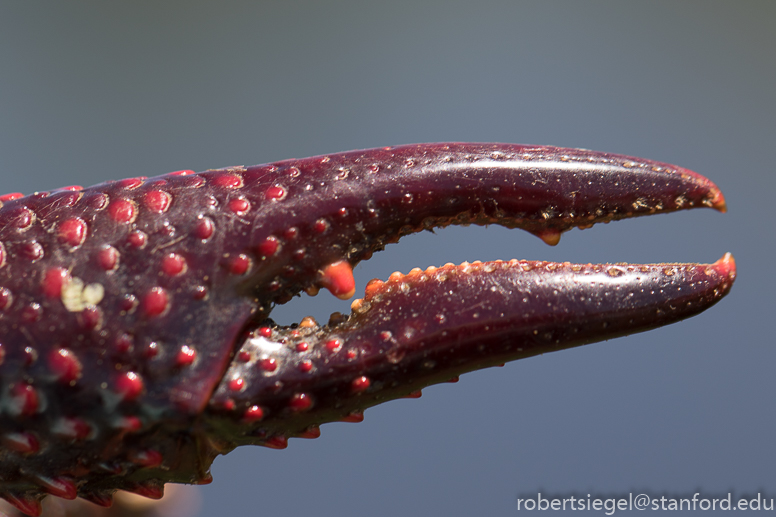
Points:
(134, 340)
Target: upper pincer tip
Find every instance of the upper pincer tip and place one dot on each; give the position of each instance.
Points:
(718, 202)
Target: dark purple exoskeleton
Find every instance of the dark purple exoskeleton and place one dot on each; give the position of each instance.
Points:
(134, 340)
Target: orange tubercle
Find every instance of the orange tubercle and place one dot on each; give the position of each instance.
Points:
(338, 278)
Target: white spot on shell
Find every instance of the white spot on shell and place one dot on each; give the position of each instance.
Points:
(76, 296)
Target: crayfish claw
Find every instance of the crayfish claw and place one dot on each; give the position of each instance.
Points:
(135, 340)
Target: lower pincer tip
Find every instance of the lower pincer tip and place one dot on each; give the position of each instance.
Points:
(425, 327)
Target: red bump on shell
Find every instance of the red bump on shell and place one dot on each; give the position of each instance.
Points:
(186, 356)
(291, 233)
(275, 193)
(269, 247)
(128, 303)
(193, 181)
(173, 264)
(11, 196)
(276, 442)
(413, 395)
(67, 199)
(72, 188)
(155, 302)
(265, 331)
(305, 366)
(206, 479)
(167, 230)
(302, 347)
(147, 458)
(200, 292)
(65, 366)
(31, 313)
(157, 201)
(244, 356)
(268, 364)
(227, 181)
(300, 402)
(151, 350)
(204, 228)
(240, 264)
(122, 210)
(22, 218)
(59, 486)
(27, 504)
(71, 428)
(360, 384)
(310, 433)
(104, 499)
(54, 280)
(24, 400)
(123, 344)
(239, 205)
(108, 258)
(131, 183)
(351, 354)
(184, 172)
(90, 318)
(321, 225)
(97, 201)
(31, 250)
(72, 232)
(236, 384)
(129, 385)
(24, 443)
(149, 490)
(128, 424)
(137, 239)
(333, 345)
(354, 417)
(253, 414)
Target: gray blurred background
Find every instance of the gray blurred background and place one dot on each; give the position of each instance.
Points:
(101, 90)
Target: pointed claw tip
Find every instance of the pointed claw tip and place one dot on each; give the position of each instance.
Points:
(718, 202)
(726, 266)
